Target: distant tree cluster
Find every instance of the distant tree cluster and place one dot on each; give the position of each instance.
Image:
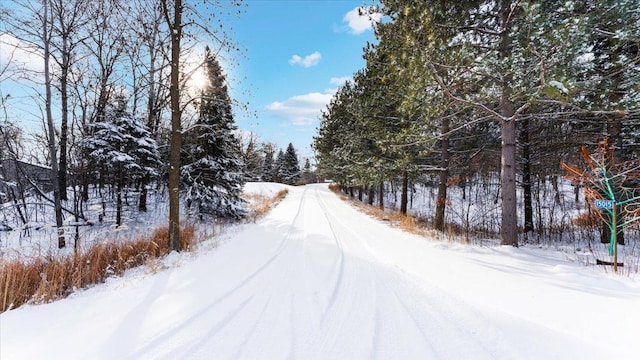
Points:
(265, 162)
(453, 92)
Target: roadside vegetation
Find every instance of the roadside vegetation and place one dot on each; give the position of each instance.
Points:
(44, 279)
(261, 204)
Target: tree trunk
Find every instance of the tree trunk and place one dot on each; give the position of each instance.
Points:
(605, 234)
(526, 177)
(119, 199)
(405, 190)
(441, 201)
(381, 195)
(142, 203)
(14, 198)
(556, 189)
(51, 130)
(152, 106)
(463, 183)
(509, 224)
(85, 185)
(370, 195)
(175, 27)
(64, 120)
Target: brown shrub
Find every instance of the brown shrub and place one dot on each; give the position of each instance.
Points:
(588, 219)
(46, 279)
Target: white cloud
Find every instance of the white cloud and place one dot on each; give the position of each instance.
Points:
(340, 80)
(301, 110)
(18, 56)
(359, 23)
(308, 61)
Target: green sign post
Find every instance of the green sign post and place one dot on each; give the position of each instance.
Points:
(609, 206)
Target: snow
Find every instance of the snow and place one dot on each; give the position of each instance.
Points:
(265, 188)
(316, 279)
(560, 86)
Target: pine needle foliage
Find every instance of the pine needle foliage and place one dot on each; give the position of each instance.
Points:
(213, 171)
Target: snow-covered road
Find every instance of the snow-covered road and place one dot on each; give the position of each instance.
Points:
(316, 279)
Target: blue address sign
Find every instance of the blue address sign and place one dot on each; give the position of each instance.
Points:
(603, 204)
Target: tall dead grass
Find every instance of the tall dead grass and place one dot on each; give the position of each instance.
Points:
(260, 204)
(41, 280)
(405, 222)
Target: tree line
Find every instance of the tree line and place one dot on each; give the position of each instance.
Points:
(452, 91)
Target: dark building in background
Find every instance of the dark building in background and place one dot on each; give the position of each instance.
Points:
(23, 176)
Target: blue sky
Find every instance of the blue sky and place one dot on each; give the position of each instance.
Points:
(297, 54)
(294, 55)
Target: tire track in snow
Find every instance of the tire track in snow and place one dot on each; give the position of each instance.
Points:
(388, 287)
(161, 340)
(277, 282)
(280, 281)
(447, 318)
(347, 300)
(340, 272)
(216, 328)
(241, 348)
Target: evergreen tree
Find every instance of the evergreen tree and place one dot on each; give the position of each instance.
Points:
(268, 162)
(277, 165)
(148, 156)
(213, 167)
(308, 175)
(332, 132)
(124, 147)
(289, 168)
(252, 159)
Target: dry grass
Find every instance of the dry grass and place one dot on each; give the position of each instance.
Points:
(405, 222)
(46, 279)
(334, 187)
(260, 204)
(587, 219)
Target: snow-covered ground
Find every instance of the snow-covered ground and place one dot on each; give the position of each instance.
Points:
(316, 279)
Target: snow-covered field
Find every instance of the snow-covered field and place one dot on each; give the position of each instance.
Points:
(316, 279)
